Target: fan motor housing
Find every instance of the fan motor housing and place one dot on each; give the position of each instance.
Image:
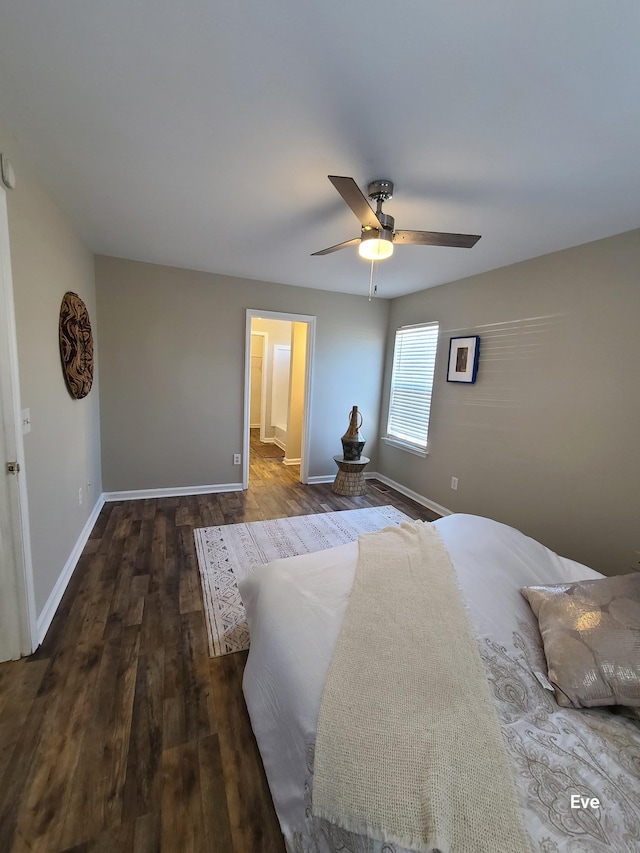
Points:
(387, 222)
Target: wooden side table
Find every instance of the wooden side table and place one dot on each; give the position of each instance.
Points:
(350, 477)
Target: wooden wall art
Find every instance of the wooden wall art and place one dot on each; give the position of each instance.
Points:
(76, 345)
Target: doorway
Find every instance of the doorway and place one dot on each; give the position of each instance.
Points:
(17, 602)
(277, 384)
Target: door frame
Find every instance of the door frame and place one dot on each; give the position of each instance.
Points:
(308, 379)
(16, 572)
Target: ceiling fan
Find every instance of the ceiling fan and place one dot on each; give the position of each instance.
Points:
(377, 237)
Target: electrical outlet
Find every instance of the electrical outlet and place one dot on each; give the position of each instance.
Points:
(454, 483)
(80, 496)
(237, 459)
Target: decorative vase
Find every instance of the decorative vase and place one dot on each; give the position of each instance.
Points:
(352, 441)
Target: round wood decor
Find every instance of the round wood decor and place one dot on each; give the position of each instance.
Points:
(76, 345)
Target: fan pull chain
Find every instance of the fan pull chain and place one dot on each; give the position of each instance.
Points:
(373, 289)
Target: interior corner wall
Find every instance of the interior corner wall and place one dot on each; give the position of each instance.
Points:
(172, 345)
(62, 451)
(547, 438)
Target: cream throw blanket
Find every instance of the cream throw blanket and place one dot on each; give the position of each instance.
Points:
(408, 747)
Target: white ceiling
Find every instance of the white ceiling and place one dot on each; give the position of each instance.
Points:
(200, 133)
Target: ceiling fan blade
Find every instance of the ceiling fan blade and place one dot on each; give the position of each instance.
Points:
(353, 196)
(435, 238)
(335, 248)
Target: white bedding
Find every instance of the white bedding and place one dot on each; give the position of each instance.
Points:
(295, 608)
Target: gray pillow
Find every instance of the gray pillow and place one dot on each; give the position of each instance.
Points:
(591, 636)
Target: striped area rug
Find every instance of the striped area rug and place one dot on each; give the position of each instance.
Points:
(229, 552)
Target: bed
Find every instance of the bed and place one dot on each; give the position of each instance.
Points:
(295, 609)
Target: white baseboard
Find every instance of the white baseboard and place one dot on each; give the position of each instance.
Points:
(281, 444)
(398, 487)
(322, 478)
(53, 602)
(409, 493)
(175, 492)
(287, 461)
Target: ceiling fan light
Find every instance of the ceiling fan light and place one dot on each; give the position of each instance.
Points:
(375, 248)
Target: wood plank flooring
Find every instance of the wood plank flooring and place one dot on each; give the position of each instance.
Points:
(121, 733)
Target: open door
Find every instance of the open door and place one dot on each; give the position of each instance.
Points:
(17, 608)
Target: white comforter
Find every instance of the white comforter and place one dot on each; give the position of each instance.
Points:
(295, 608)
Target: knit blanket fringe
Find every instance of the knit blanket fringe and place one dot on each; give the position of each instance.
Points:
(409, 748)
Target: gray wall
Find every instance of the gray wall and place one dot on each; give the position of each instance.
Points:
(547, 439)
(62, 451)
(172, 371)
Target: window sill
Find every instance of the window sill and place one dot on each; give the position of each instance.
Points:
(401, 445)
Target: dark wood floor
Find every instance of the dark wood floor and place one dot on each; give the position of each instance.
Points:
(121, 733)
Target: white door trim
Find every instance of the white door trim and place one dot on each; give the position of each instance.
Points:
(306, 432)
(16, 574)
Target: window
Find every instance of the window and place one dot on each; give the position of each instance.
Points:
(414, 361)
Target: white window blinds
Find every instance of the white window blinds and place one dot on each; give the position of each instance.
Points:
(414, 360)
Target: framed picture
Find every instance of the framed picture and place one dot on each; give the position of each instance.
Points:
(463, 359)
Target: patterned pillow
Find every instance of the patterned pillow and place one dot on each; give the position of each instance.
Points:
(591, 636)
